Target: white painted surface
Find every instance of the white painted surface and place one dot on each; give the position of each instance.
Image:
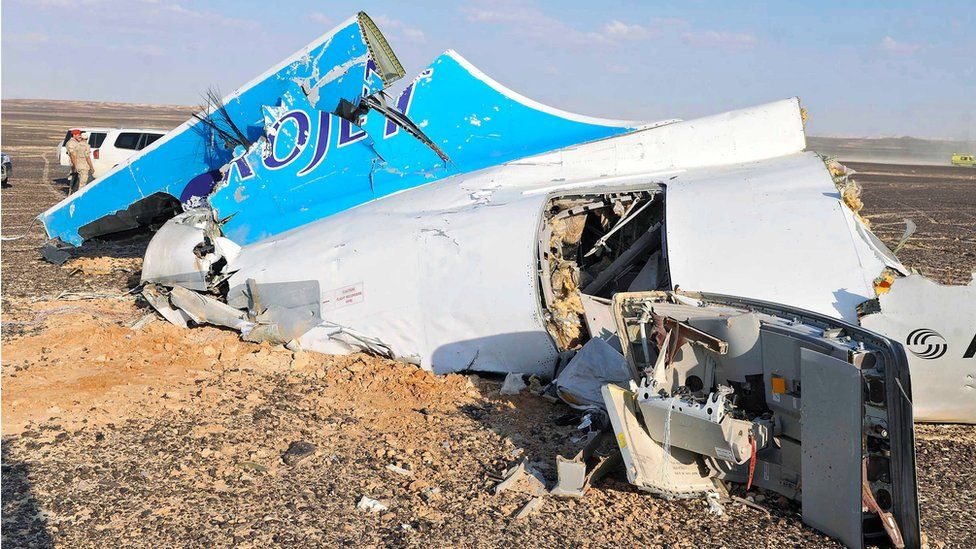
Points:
(773, 230)
(443, 278)
(170, 258)
(746, 135)
(943, 389)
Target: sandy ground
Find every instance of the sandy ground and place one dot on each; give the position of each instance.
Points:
(158, 436)
(942, 203)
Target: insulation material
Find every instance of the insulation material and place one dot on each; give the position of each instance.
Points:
(850, 190)
(604, 217)
(882, 284)
(566, 231)
(619, 227)
(851, 195)
(566, 310)
(837, 170)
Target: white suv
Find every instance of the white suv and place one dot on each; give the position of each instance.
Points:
(110, 146)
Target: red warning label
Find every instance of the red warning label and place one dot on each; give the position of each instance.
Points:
(344, 297)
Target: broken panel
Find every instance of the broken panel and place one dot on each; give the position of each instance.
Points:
(831, 467)
(776, 231)
(652, 466)
(791, 401)
(598, 457)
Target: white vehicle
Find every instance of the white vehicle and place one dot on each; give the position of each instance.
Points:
(110, 146)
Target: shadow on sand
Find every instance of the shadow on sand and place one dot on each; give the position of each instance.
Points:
(23, 523)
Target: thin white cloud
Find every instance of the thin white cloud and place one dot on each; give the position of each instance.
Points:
(535, 25)
(630, 31)
(891, 45)
(62, 4)
(538, 26)
(475, 14)
(396, 27)
(414, 35)
(723, 40)
(190, 15)
(320, 17)
(669, 22)
(142, 15)
(618, 69)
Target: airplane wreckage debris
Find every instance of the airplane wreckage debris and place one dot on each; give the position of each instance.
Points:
(464, 227)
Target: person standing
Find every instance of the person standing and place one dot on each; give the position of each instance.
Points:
(81, 164)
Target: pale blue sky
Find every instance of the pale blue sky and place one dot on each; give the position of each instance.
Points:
(872, 69)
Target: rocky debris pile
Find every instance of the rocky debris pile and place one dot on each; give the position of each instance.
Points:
(162, 436)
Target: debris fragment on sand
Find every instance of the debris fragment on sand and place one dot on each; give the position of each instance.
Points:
(596, 364)
(522, 479)
(513, 385)
(530, 507)
(371, 505)
(399, 470)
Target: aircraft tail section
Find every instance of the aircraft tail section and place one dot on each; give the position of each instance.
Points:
(315, 135)
(318, 163)
(351, 61)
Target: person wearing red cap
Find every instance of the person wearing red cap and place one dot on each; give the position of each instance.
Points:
(81, 164)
